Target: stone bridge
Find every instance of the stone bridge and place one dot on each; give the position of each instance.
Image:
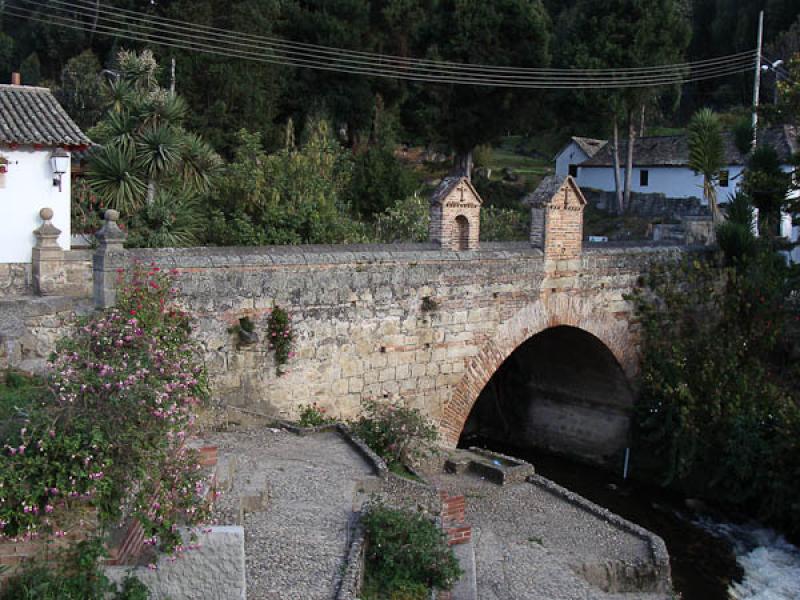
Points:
(531, 342)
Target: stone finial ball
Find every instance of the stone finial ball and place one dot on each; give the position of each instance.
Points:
(46, 214)
(111, 215)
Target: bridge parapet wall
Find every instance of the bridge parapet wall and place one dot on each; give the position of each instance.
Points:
(407, 320)
(416, 321)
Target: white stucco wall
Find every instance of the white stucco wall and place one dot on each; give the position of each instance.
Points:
(673, 182)
(570, 155)
(27, 188)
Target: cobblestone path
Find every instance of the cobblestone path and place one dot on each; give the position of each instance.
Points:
(296, 540)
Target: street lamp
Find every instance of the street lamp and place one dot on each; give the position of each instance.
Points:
(59, 161)
(773, 66)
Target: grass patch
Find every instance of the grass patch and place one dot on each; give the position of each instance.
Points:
(401, 470)
(501, 158)
(534, 539)
(18, 393)
(654, 131)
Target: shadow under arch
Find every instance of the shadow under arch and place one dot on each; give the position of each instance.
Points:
(561, 390)
(611, 330)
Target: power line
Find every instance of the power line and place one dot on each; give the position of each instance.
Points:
(735, 64)
(158, 38)
(674, 71)
(380, 59)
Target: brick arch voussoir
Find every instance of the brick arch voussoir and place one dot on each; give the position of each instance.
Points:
(558, 310)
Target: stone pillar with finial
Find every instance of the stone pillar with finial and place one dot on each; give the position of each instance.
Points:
(47, 257)
(108, 259)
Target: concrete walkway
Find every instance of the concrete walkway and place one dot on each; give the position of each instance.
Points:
(296, 538)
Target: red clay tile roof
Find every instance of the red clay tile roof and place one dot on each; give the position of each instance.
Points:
(32, 115)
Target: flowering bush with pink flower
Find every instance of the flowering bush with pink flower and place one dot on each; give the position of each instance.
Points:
(111, 430)
(400, 435)
(281, 337)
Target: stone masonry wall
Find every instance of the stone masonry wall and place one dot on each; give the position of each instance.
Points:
(15, 279)
(405, 320)
(416, 321)
(30, 326)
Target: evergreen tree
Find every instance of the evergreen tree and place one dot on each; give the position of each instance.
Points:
(225, 94)
(623, 34)
(501, 33)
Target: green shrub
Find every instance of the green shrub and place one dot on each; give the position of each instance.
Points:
(719, 410)
(75, 576)
(406, 555)
(407, 221)
(396, 433)
(18, 393)
(312, 415)
(504, 224)
(297, 195)
(736, 241)
(379, 181)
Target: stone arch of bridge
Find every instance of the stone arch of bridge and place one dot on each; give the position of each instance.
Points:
(613, 330)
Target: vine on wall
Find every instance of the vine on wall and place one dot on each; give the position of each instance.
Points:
(281, 337)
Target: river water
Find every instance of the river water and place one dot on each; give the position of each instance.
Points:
(711, 559)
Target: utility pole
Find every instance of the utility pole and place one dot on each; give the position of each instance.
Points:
(757, 82)
(172, 78)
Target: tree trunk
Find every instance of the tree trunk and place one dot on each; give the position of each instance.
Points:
(617, 182)
(641, 125)
(629, 160)
(464, 164)
(151, 191)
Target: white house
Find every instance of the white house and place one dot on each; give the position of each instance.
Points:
(36, 137)
(577, 151)
(661, 164)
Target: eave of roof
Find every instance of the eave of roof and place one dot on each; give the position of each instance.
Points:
(32, 116)
(673, 150)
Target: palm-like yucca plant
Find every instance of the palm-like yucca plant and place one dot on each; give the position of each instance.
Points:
(120, 94)
(139, 69)
(170, 221)
(113, 176)
(158, 150)
(199, 163)
(145, 149)
(167, 109)
(118, 129)
(707, 154)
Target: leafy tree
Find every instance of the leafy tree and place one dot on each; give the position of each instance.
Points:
(767, 185)
(347, 99)
(379, 181)
(227, 94)
(297, 195)
(718, 413)
(147, 154)
(501, 33)
(31, 69)
(407, 221)
(743, 135)
(706, 154)
(623, 34)
(81, 90)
